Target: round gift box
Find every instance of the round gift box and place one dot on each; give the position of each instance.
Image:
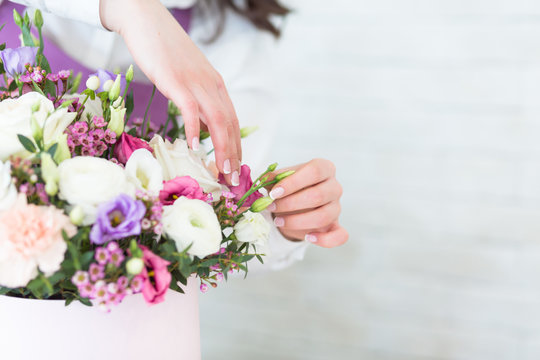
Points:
(47, 329)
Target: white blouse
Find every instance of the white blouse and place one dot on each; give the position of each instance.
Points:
(242, 55)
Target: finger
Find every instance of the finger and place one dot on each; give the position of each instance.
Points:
(310, 198)
(222, 133)
(226, 99)
(189, 107)
(336, 236)
(313, 219)
(311, 173)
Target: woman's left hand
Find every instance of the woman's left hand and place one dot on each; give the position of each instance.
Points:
(307, 204)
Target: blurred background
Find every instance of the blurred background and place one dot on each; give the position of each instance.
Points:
(431, 111)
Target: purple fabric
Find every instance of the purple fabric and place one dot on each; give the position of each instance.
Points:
(59, 60)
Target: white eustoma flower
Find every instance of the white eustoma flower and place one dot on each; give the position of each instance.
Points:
(144, 171)
(252, 228)
(56, 124)
(192, 221)
(177, 160)
(15, 115)
(89, 182)
(8, 192)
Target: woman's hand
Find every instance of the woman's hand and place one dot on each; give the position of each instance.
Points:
(307, 205)
(169, 58)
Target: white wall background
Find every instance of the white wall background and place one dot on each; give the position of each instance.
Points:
(431, 111)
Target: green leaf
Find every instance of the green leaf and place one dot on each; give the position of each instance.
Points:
(27, 143)
(259, 257)
(52, 149)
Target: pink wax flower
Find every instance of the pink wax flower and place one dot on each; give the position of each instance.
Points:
(243, 187)
(126, 145)
(181, 186)
(154, 294)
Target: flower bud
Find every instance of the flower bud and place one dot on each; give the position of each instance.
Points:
(118, 102)
(272, 167)
(38, 19)
(284, 175)
(37, 130)
(62, 151)
(134, 266)
(261, 204)
(248, 130)
(17, 18)
(129, 74)
(93, 83)
(116, 123)
(115, 89)
(107, 85)
(76, 83)
(49, 170)
(51, 188)
(76, 215)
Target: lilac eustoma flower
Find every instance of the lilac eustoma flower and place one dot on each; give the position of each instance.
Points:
(118, 219)
(105, 75)
(15, 59)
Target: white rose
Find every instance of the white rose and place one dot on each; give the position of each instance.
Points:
(177, 160)
(15, 115)
(144, 171)
(192, 221)
(8, 192)
(89, 182)
(252, 228)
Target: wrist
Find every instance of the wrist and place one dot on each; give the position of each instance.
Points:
(115, 15)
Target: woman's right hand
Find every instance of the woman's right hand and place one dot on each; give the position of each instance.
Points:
(168, 57)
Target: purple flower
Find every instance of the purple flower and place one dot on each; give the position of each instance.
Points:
(14, 60)
(105, 75)
(80, 278)
(117, 219)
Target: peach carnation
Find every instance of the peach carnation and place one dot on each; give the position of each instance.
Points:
(31, 237)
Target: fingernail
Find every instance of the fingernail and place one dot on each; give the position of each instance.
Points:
(195, 144)
(227, 166)
(311, 238)
(276, 193)
(272, 207)
(279, 222)
(235, 179)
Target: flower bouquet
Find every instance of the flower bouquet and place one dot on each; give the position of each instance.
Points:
(94, 210)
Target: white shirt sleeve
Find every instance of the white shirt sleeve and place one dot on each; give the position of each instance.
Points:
(86, 11)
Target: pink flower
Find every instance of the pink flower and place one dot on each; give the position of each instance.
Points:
(31, 238)
(181, 186)
(154, 294)
(243, 187)
(126, 145)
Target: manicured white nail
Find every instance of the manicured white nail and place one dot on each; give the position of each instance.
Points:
(311, 238)
(235, 179)
(227, 166)
(279, 222)
(195, 144)
(272, 207)
(276, 193)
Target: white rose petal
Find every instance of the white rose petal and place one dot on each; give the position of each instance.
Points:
(177, 160)
(144, 171)
(8, 192)
(192, 221)
(252, 228)
(89, 182)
